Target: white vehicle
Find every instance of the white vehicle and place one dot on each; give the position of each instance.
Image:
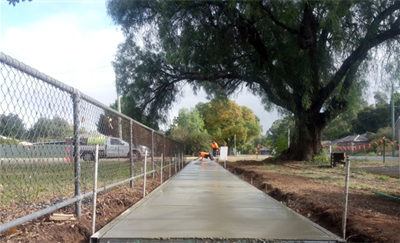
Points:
(109, 147)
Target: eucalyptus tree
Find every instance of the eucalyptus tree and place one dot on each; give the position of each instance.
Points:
(306, 57)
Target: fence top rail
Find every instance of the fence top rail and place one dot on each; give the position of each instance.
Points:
(52, 81)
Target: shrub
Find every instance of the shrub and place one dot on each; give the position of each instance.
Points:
(321, 159)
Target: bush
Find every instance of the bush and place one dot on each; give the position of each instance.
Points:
(321, 159)
(9, 141)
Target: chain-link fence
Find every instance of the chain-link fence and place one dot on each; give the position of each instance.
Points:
(48, 135)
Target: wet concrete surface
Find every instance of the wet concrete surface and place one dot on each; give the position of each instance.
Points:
(205, 201)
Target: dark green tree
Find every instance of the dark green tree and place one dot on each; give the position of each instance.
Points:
(12, 126)
(372, 118)
(194, 141)
(341, 126)
(46, 129)
(338, 128)
(188, 129)
(280, 128)
(281, 144)
(129, 108)
(108, 124)
(304, 56)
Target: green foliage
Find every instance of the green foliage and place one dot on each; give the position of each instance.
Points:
(303, 56)
(12, 126)
(224, 120)
(194, 141)
(321, 159)
(281, 143)
(130, 108)
(338, 128)
(192, 120)
(279, 128)
(8, 141)
(50, 129)
(382, 132)
(108, 124)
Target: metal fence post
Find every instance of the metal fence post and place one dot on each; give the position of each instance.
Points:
(145, 174)
(162, 168)
(175, 164)
(96, 164)
(179, 161)
(77, 151)
(170, 165)
(183, 160)
(346, 197)
(152, 151)
(132, 172)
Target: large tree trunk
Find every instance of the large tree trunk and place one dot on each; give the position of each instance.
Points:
(306, 141)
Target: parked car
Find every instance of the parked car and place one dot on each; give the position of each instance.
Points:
(109, 147)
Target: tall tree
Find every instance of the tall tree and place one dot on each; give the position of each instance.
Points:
(303, 56)
(225, 120)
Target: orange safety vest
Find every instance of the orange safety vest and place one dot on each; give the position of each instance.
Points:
(203, 154)
(214, 145)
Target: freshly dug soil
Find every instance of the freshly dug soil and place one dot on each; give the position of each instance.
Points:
(370, 217)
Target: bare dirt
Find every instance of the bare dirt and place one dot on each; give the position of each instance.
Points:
(316, 192)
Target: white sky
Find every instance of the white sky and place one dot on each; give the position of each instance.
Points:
(75, 41)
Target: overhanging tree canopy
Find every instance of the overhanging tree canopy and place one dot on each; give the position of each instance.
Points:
(302, 56)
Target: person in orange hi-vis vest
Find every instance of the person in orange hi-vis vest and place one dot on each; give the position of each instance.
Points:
(214, 146)
(205, 155)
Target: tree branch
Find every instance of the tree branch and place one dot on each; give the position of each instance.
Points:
(276, 21)
(360, 52)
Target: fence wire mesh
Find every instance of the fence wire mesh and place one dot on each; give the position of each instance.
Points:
(48, 133)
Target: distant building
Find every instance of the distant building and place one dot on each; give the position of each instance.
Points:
(354, 140)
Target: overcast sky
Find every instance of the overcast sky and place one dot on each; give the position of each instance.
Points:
(75, 41)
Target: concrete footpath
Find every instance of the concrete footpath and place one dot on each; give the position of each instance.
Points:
(206, 203)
